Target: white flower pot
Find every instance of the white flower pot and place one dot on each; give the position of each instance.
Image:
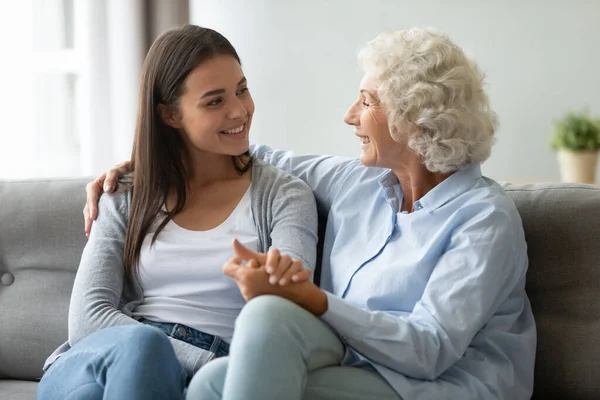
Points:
(577, 166)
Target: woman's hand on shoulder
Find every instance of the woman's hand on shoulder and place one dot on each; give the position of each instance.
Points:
(106, 182)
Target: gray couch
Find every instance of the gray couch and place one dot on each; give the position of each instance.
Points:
(41, 239)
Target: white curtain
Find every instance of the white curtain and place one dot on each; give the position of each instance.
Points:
(119, 33)
(79, 86)
(113, 48)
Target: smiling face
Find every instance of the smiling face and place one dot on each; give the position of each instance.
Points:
(215, 112)
(367, 115)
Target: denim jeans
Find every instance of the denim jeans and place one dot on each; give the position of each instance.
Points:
(205, 341)
(125, 362)
(132, 362)
(281, 351)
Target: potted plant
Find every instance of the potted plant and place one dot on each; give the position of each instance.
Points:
(577, 141)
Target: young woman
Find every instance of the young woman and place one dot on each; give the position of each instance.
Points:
(150, 304)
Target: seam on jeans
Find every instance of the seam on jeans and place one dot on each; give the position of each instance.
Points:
(204, 357)
(173, 330)
(215, 345)
(98, 375)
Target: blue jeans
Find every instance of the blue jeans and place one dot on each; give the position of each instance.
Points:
(125, 362)
(122, 362)
(214, 344)
(281, 351)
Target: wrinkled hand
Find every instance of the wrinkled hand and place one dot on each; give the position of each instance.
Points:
(106, 182)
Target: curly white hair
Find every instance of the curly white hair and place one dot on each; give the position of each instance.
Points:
(433, 92)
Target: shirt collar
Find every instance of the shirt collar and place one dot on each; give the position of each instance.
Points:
(453, 186)
(388, 182)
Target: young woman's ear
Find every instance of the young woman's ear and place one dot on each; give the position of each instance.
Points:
(170, 116)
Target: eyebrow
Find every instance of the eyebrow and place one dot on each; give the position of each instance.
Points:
(219, 91)
(371, 95)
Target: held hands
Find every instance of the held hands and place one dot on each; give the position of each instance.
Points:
(253, 279)
(281, 268)
(263, 273)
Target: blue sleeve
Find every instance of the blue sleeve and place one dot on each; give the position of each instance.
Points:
(484, 262)
(323, 174)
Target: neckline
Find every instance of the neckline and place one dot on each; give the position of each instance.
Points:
(223, 226)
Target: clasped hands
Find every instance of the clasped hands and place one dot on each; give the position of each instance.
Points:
(271, 273)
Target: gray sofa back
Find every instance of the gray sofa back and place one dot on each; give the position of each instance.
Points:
(562, 229)
(41, 239)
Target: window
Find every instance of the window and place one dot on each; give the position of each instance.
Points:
(40, 136)
(69, 80)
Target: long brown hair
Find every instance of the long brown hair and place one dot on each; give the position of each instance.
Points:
(159, 158)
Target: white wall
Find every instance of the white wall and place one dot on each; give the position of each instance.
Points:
(541, 58)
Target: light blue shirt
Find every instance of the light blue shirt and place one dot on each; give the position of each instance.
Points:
(434, 299)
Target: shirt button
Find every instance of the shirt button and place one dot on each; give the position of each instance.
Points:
(7, 279)
(418, 206)
(181, 330)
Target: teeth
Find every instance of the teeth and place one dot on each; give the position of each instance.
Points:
(365, 140)
(236, 130)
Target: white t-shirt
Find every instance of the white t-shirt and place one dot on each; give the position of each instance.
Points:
(182, 273)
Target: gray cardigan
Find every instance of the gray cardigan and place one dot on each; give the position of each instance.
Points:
(285, 215)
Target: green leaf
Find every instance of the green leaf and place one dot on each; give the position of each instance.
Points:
(576, 132)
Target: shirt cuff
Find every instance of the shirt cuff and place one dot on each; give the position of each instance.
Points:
(348, 320)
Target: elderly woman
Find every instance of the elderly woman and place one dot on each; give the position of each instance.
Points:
(423, 274)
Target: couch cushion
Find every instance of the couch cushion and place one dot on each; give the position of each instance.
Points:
(41, 240)
(17, 390)
(562, 228)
